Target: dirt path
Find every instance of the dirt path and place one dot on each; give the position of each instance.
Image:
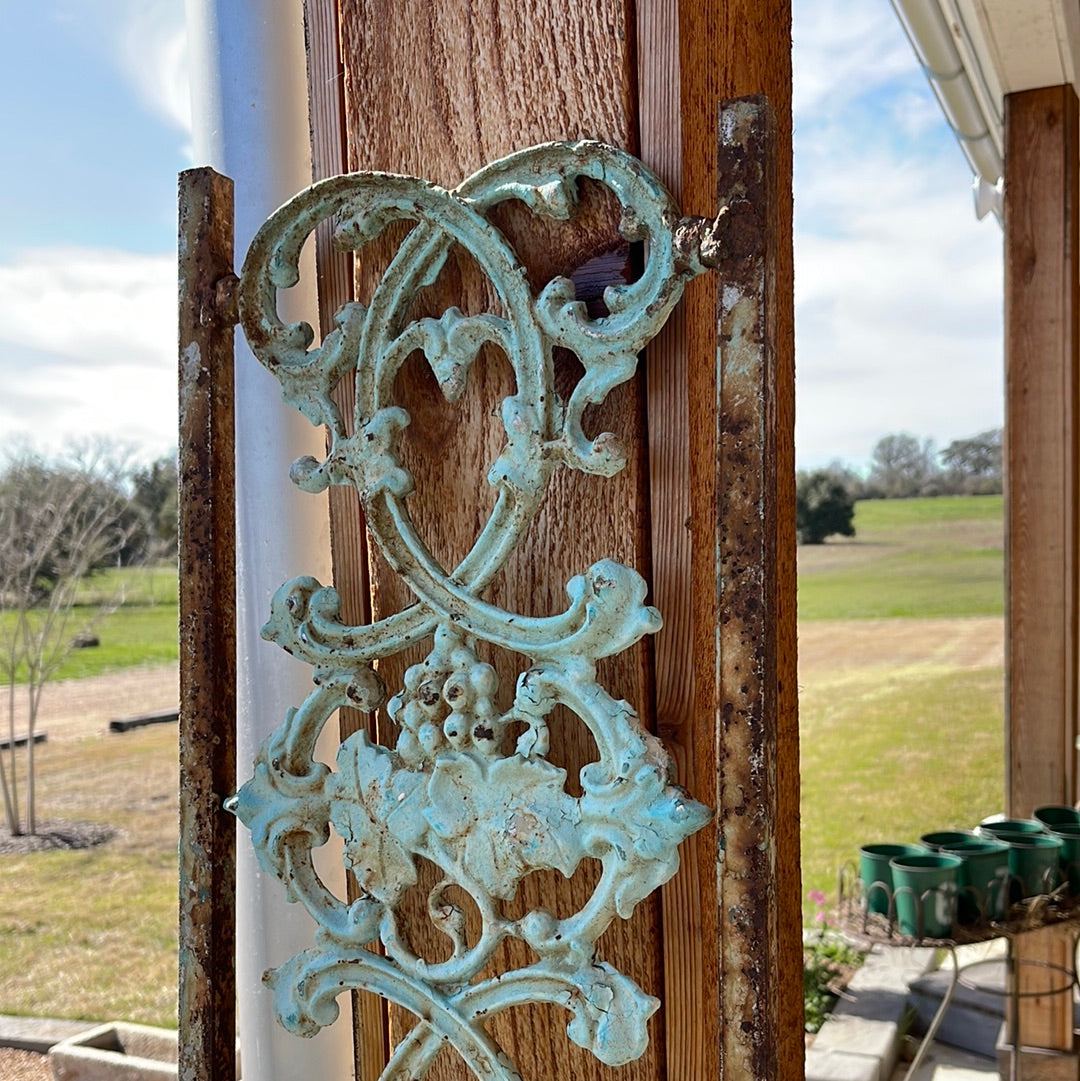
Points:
(835, 646)
(80, 708)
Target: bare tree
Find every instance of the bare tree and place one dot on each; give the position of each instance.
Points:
(59, 521)
(902, 466)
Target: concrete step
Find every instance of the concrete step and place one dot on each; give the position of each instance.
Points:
(943, 1063)
(861, 1037)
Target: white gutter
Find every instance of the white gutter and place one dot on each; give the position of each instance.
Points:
(250, 115)
(943, 47)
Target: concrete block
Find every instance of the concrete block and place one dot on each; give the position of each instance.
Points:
(892, 970)
(826, 1065)
(974, 1016)
(872, 1005)
(116, 1052)
(864, 1036)
(38, 1033)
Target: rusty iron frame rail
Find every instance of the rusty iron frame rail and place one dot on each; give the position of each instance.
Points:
(207, 310)
(755, 633)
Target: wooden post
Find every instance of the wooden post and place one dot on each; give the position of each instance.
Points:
(471, 82)
(467, 83)
(1042, 351)
(207, 990)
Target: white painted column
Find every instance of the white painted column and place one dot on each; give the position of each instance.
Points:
(250, 115)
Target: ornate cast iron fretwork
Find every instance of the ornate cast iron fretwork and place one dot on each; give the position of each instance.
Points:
(455, 789)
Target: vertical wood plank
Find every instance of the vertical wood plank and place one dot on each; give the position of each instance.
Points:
(1042, 358)
(207, 549)
(668, 419)
(348, 535)
(730, 48)
(469, 82)
(326, 94)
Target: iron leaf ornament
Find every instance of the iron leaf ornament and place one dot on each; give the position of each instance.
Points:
(456, 789)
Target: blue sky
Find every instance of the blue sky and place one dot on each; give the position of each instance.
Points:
(95, 120)
(898, 287)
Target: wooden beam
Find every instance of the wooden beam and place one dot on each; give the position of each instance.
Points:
(751, 1005)
(1042, 362)
(438, 90)
(668, 418)
(348, 534)
(207, 531)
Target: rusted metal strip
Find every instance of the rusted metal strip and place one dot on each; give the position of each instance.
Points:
(755, 622)
(207, 999)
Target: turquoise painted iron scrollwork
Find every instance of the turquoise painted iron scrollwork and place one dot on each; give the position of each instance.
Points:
(453, 790)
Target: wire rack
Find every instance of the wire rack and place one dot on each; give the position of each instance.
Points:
(988, 916)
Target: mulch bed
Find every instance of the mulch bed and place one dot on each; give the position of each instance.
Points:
(23, 1066)
(65, 836)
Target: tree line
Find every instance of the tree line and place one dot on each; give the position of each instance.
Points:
(902, 466)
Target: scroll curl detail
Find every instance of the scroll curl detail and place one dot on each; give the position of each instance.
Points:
(467, 785)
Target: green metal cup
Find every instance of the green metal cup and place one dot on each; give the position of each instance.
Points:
(983, 878)
(1055, 815)
(925, 888)
(1069, 833)
(876, 874)
(1006, 826)
(1034, 862)
(940, 839)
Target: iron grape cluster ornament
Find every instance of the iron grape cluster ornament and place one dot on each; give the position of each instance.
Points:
(456, 789)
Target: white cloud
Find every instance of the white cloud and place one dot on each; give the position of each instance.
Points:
(898, 287)
(146, 41)
(87, 346)
(152, 52)
(843, 49)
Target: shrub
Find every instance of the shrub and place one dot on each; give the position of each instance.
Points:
(824, 506)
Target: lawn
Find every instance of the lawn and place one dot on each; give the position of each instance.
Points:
(909, 559)
(901, 680)
(894, 754)
(148, 585)
(92, 934)
(901, 724)
(142, 630)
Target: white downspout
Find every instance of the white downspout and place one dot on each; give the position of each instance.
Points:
(969, 110)
(250, 116)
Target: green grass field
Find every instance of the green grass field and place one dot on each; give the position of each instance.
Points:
(154, 585)
(910, 559)
(91, 935)
(141, 630)
(901, 681)
(901, 727)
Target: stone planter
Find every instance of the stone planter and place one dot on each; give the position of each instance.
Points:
(116, 1052)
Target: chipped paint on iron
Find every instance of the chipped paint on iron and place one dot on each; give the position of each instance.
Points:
(452, 790)
(745, 650)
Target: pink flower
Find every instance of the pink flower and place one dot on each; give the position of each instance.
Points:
(819, 917)
(816, 897)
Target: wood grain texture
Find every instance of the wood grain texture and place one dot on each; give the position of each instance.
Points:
(437, 91)
(728, 49)
(668, 415)
(207, 549)
(348, 534)
(1042, 361)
